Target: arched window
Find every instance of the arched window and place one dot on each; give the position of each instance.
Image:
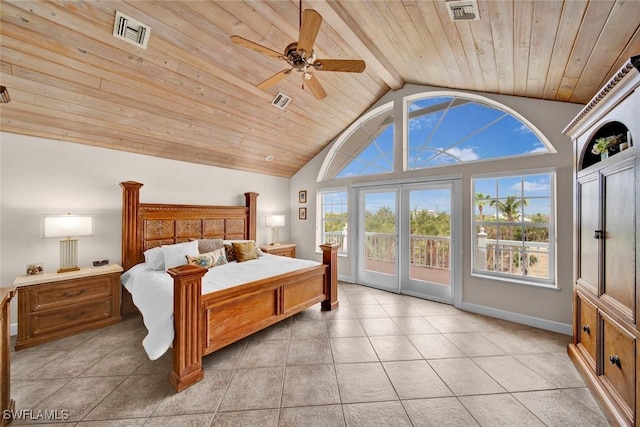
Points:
(442, 128)
(448, 129)
(365, 148)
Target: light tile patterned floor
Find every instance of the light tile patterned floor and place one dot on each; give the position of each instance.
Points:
(379, 360)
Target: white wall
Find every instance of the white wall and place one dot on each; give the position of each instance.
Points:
(536, 306)
(40, 176)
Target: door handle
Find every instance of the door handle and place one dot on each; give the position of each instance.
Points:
(597, 234)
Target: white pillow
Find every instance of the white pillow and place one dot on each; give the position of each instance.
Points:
(176, 255)
(154, 258)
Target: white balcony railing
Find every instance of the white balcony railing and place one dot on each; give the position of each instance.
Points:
(424, 251)
(509, 256)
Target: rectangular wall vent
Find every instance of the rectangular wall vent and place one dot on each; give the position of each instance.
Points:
(281, 100)
(463, 10)
(130, 30)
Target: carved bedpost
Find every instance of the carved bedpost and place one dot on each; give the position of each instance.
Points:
(187, 344)
(330, 259)
(251, 219)
(131, 249)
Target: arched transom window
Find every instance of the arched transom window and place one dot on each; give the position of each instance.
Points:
(442, 128)
(450, 129)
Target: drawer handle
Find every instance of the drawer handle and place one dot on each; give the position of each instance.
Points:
(79, 315)
(615, 360)
(73, 294)
(597, 234)
(587, 329)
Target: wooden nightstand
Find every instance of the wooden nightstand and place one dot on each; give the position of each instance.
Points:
(56, 305)
(282, 249)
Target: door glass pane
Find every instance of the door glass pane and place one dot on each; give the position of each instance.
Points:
(430, 236)
(380, 232)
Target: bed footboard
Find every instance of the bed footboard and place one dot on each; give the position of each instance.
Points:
(187, 343)
(204, 324)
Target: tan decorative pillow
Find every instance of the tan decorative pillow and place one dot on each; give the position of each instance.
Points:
(245, 251)
(208, 260)
(209, 245)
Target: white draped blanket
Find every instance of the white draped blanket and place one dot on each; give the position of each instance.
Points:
(152, 292)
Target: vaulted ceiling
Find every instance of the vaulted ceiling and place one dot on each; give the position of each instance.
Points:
(191, 95)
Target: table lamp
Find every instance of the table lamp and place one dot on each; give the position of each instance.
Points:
(68, 226)
(275, 222)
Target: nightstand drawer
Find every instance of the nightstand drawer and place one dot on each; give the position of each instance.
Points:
(63, 318)
(281, 249)
(71, 292)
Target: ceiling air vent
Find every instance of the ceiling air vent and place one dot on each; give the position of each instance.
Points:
(463, 10)
(130, 30)
(281, 100)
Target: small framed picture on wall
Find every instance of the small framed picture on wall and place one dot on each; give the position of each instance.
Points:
(302, 196)
(302, 213)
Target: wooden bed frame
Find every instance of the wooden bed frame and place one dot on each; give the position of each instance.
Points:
(206, 323)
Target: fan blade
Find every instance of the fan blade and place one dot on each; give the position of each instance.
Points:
(343, 65)
(311, 21)
(315, 87)
(255, 46)
(274, 79)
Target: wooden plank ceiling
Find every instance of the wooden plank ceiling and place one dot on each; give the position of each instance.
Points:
(191, 95)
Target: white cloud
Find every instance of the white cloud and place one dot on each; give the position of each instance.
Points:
(464, 154)
(538, 149)
(531, 186)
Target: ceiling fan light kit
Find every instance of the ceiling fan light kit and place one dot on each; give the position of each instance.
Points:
(301, 57)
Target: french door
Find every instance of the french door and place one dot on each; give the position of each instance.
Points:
(406, 238)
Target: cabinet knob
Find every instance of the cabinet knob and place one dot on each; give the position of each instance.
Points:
(597, 234)
(615, 360)
(587, 329)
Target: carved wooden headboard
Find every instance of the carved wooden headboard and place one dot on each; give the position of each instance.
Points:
(147, 225)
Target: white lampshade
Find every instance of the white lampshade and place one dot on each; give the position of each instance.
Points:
(274, 221)
(67, 226)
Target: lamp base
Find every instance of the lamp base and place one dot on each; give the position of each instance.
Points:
(66, 270)
(68, 255)
(274, 236)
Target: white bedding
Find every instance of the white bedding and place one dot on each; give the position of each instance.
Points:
(152, 292)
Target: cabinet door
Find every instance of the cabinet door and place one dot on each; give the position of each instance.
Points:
(619, 238)
(589, 208)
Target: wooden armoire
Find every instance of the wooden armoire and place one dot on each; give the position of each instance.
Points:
(606, 325)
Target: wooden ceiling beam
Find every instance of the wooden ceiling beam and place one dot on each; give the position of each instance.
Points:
(348, 27)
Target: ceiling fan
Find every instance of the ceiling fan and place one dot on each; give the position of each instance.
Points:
(302, 58)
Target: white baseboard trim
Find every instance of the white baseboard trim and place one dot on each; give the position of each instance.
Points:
(536, 322)
(344, 278)
(13, 329)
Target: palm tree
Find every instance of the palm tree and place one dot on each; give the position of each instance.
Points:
(480, 201)
(509, 207)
